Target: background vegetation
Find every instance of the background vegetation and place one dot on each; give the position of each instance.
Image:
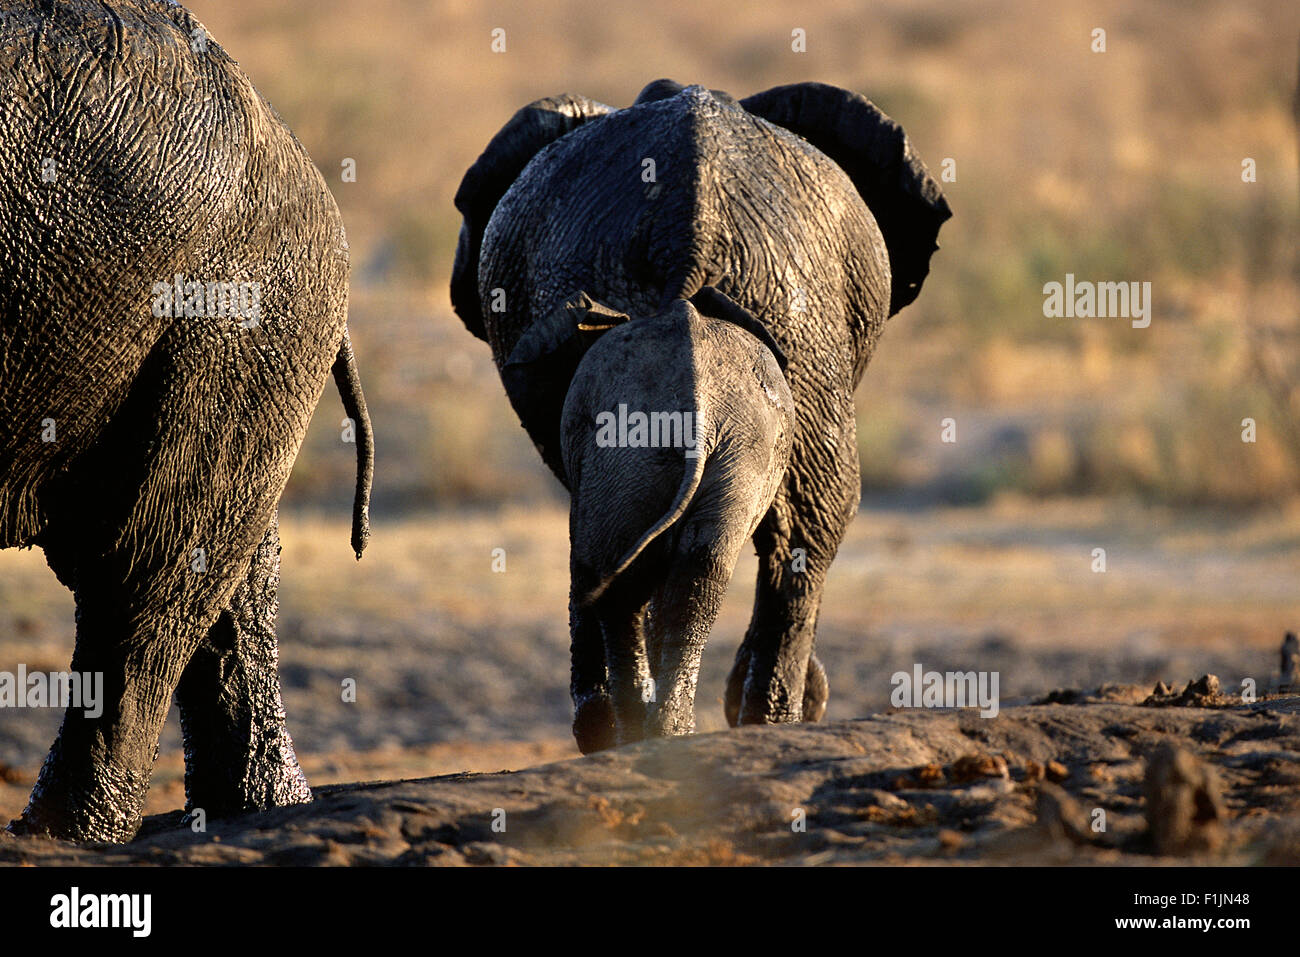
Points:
(1123, 165)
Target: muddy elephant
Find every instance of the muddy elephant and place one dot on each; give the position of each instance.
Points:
(675, 434)
(804, 204)
(173, 299)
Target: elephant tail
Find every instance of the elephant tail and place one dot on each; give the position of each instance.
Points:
(354, 404)
(685, 492)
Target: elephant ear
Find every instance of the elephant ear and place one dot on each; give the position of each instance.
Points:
(900, 192)
(541, 366)
(530, 130)
(713, 302)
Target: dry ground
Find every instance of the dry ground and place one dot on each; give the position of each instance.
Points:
(460, 668)
(915, 787)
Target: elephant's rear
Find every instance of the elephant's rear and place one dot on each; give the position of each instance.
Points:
(649, 204)
(676, 433)
(804, 204)
(748, 406)
(627, 419)
(135, 154)
(173, 296)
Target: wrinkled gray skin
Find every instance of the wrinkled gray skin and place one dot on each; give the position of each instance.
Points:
(172, 435)
(804, 204)
(656, 531)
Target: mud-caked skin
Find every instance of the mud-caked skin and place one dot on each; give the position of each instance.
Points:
(659, 517)
(804, 204)
(146, 453)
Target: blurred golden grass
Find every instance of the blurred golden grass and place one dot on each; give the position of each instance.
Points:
(1123, 165)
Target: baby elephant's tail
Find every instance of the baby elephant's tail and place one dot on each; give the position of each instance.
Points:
(354, 404)
(685, 492)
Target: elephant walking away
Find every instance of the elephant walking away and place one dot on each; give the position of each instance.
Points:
(804, 204)
(663, 507)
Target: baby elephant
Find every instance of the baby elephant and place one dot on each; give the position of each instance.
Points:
(675, 435)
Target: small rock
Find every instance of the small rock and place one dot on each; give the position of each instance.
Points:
(951, 840)
(972, 767)
(1056, 771)
(1204, 692)
(930, 775)
(1185, 808)
(1207, 685)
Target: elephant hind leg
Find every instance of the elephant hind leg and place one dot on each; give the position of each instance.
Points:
(796, 542)
(140, 617)
(629, 673)
(610, 670)
(238, 753)
(95, 779)
(594, 721)
(816, 689)
(708, 547)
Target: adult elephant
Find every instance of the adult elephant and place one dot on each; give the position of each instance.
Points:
(804, 204)
(173, 298)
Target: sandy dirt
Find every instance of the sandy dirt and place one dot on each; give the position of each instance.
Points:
(461, 669)
(1053, 783)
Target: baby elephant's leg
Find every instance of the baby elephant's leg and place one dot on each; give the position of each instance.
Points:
(629, 672)
(685, 608)
(611, 679)
(593, 711)
(238, 754)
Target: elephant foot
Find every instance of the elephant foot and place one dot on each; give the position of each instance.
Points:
(816, 693)
(283, 790)
(736, 688)
(270, 778)
(594, 723)
(104, 806)
(668, 723)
